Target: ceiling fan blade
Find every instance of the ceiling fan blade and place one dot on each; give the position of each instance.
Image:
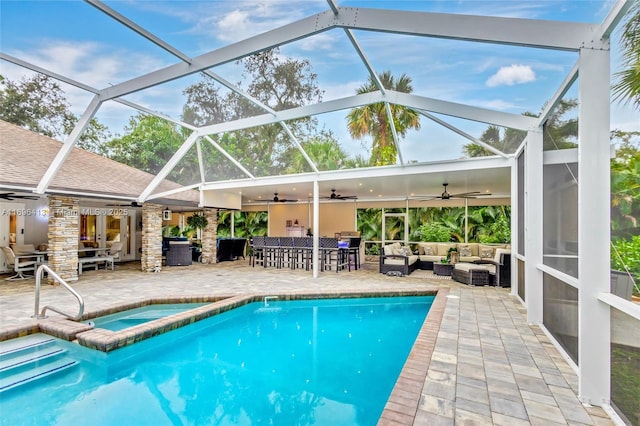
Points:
(10, 196)
(472, 194)
(464, 194)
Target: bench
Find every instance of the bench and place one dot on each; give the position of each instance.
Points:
(95, 261)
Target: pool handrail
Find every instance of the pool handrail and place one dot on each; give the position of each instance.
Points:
(39, 275)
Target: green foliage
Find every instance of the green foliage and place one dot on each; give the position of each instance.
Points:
(148, 145)
(246, 224)
(499, 231)
(324, 150)
(370, 224)
(435, 232)
(373, 250)
(39, 104)
(625, 184)
(625, 254)
(627, 85)
(505, 140)
(276, 82)
(560, 132)
(373, 120)
(625, 381)
(197, 221)
(486, 223)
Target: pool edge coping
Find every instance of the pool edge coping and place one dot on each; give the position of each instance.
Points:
(403, 403)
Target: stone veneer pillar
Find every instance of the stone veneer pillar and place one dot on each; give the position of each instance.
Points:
(151, 260)
(63, 236)
(209, 236)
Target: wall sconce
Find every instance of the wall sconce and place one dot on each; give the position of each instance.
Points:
(166, 214)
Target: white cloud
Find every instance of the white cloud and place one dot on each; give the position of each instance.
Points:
(235, 21)
(513, 74)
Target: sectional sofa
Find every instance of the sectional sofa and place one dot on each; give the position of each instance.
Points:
(401, 259)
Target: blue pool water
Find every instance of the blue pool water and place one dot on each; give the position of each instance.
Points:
(322, 362)
(131, 317)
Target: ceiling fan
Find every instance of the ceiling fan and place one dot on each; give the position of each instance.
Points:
(446, 195)
(335, 196)
(276, 199)
(10, 196)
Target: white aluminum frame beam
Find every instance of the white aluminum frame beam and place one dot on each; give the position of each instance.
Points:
(613, 18)
(522, 32)
(483, 115)
(479, 163)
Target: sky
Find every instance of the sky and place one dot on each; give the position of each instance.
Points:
(77, 40)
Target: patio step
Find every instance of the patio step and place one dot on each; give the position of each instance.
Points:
(31, 358)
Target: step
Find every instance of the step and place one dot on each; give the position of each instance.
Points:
(24, 357)
(41, 371)
(32, 342)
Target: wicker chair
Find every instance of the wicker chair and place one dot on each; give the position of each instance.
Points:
(397, 264)
(179, 253)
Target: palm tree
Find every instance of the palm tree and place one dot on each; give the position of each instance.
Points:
(372, 120)
(559, 132)
(628, 80)
(327, 154)
(506, 141)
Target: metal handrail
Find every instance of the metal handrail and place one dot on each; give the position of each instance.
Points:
(39, 275)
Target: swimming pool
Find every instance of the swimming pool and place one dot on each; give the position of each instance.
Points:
(326, 362)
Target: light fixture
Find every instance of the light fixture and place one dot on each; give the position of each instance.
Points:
(166, 214)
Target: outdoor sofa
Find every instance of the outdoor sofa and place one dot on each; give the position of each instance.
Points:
(396, 258)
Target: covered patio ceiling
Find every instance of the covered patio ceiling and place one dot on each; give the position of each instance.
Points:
(354, 34)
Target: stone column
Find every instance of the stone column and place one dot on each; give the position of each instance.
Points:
(209, 236)
(64, 234)
(151, 260)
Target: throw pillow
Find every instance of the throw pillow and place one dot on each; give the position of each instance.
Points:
(465, 251)
(486, 253)
(407, 251)
(398, 251)
(428, 250)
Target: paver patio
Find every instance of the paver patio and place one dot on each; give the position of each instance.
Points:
(479, 364)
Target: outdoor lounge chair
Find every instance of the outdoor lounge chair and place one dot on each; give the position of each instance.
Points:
(21, 264)
(498, 270)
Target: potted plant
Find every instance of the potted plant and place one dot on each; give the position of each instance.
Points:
(197, 221)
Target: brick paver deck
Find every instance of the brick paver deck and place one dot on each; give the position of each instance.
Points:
(476, 360)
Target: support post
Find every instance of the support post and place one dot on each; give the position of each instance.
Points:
(63, 236)
(533, 227)
(151, 258)
(594, 332)
(210, 236)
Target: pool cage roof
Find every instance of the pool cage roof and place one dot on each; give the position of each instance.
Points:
(335, 38)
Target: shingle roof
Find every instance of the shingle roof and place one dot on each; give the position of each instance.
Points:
(26, 155)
